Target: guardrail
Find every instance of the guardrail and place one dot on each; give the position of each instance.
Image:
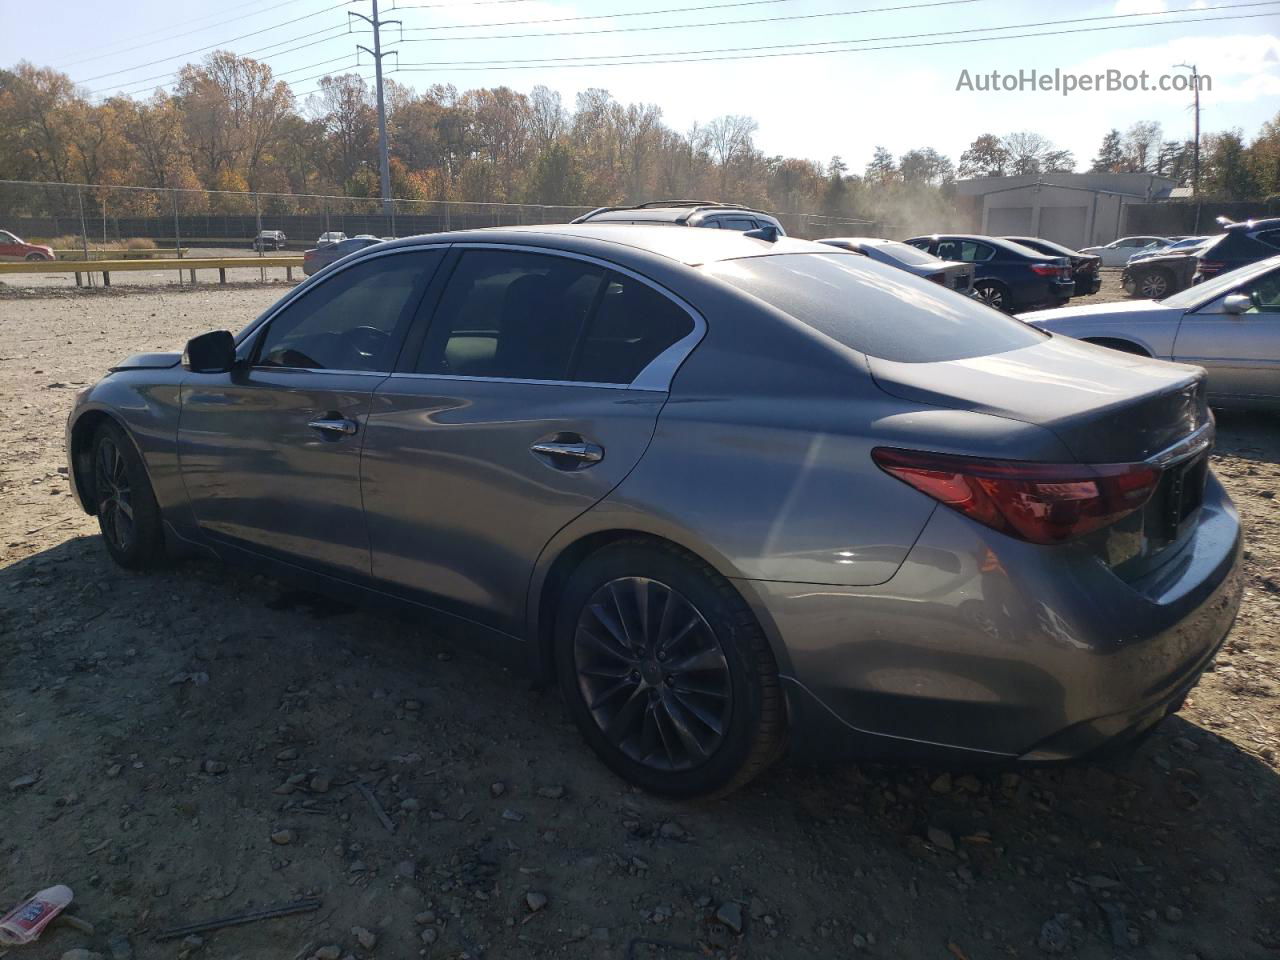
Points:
(77, 254)
(190, 265)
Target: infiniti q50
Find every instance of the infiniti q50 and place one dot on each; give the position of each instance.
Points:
(736, 495)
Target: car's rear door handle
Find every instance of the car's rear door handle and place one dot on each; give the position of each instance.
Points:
(580, 450)
(334, 426)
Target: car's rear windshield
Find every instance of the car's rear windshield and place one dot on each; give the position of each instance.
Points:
(906, 254)
(876, 309)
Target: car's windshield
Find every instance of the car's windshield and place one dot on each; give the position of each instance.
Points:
(876, 309)
(8, 237)
(904, 253)
(1043, 246)
(1202, 293)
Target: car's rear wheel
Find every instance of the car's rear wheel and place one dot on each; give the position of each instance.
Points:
(128, 514)
(666, 672)
(992, 294)
(1152, 284)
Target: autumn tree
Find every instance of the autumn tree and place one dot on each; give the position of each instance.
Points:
(985, 157)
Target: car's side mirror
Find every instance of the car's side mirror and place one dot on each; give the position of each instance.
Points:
(1236, 303)
(211, 352)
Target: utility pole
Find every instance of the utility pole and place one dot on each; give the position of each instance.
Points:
(1195, 147)
(384, 159)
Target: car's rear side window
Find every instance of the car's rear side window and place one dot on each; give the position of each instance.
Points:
(876, 309)
(512, 314)
(632, 325)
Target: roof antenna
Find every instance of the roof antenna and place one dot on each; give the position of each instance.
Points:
(768, 233)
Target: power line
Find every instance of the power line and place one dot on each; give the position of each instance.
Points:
(220, 15)
(694, 56)
(134, 86)
(600, 16)
(213, 46)
(694, 26)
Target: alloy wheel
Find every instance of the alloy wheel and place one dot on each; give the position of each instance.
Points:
(991, 296)
(115, 497)
(652, 674)
(1154, 285)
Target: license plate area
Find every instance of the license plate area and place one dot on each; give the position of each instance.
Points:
(1173, 506)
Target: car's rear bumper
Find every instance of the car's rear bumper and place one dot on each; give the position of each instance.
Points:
(987, 646)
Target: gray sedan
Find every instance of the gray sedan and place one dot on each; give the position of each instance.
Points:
(732, 494)
(952, 274)
(1229, 325)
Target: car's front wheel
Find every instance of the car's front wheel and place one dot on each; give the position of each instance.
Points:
(666, 672)
(35, 257)
(128, 514)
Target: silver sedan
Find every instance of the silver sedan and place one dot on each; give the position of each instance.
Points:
(733, 494)
(1229, 325)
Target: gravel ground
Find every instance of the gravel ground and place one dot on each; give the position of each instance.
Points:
(189, 744)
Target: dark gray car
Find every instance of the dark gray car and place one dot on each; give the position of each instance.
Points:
(734, 496)
(949, 273)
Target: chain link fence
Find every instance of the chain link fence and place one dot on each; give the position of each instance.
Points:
(89, 220)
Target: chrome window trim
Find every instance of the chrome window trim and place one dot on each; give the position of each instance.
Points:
(656, 375)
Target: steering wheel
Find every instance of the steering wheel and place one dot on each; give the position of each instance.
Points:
(363, 342)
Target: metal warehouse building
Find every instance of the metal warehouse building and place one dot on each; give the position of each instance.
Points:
(1075, 209)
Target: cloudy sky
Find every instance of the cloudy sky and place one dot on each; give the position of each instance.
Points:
(822, 77)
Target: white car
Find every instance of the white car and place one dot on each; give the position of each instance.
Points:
(1117, 252)
(333, 236)
(1229, 325)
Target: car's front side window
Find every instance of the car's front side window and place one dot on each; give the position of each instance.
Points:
(6, 237)
(1264, 293)
(353, 320)
(510, 314)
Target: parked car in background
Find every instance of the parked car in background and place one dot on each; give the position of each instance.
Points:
(318, 258)
(952, 275)
(1086, 268)
(687, 213)
(13, 247)
(270, 240)
(332, 236)
(1229, 325)
(1177, 244)
(1155, 274)
(1007, 276)
(1238, 245)
(533, 430)
(1117, 252)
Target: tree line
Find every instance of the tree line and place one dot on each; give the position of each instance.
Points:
(229, 124)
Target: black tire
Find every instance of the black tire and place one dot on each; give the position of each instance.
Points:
(35, 257)
(993, 294)
(704, 722)
(128, 514)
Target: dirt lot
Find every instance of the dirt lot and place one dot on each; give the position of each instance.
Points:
(187, 745)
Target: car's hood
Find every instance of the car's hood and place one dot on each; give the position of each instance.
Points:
(1124, 310)
(149, 361)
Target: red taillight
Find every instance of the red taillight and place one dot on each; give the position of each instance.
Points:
(1211, 266)
(1039, 502)
(938, 278)
(1045, 269)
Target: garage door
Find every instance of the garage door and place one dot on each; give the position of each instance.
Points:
(1064, 225)
(1009, 221)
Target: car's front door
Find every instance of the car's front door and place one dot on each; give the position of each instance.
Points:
(534, 392)
(270, 453)
(1241, 351)
(11, 248)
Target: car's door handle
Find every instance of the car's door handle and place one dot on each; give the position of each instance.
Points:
(580, 450)
(334, 426)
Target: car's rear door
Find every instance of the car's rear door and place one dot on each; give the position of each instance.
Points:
(10, 248)
(534, 391)
(270, 453)
(1241, 351)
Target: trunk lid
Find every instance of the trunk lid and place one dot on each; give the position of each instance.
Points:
(1105, 406)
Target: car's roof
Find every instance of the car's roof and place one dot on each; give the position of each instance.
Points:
(859, 241)
(1253, 224)
(1000, 242)
(690, 247)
